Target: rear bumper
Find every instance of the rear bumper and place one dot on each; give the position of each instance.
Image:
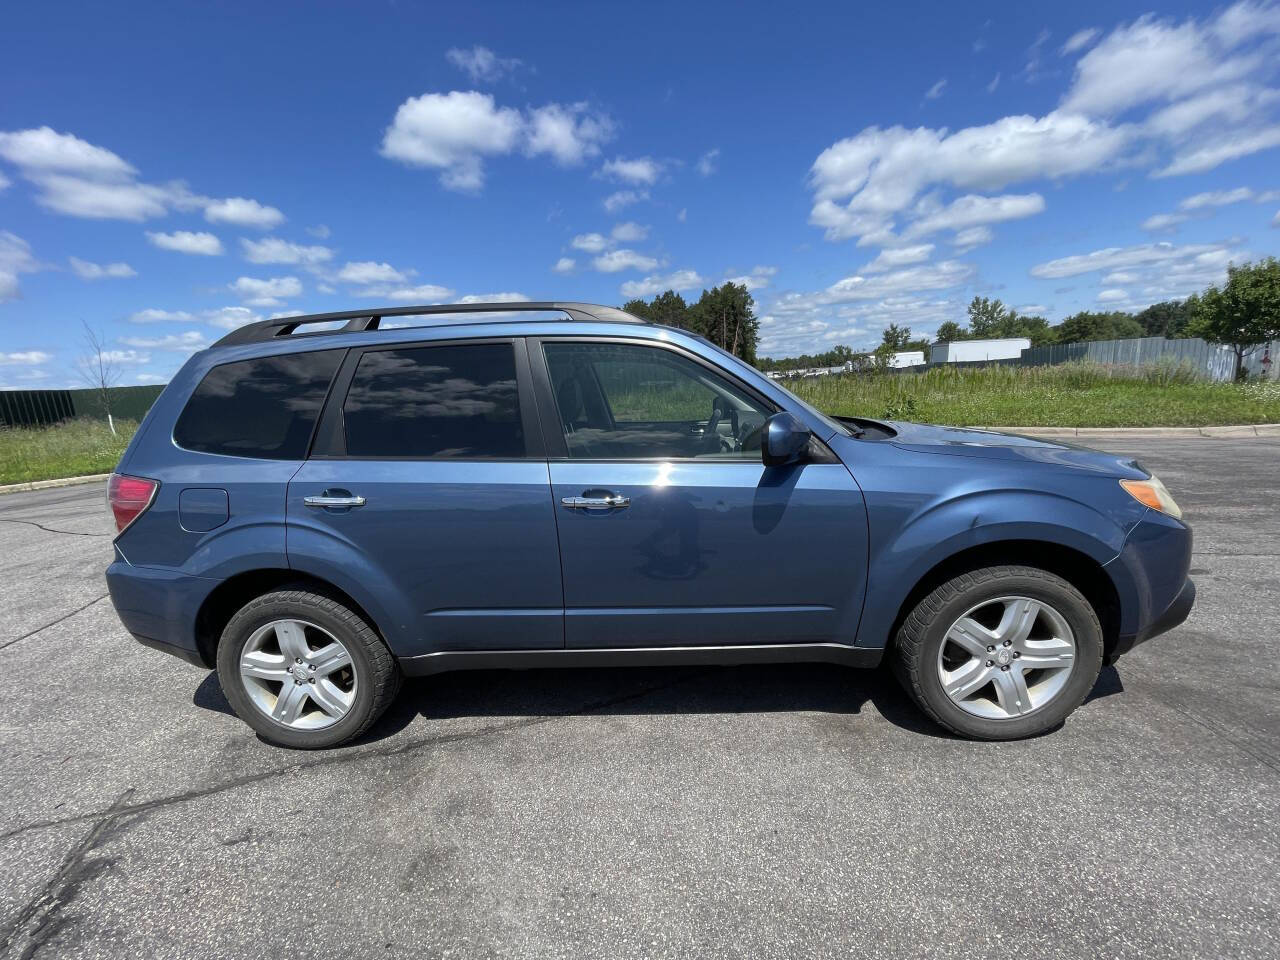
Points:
(159, 607)
(1174, 614)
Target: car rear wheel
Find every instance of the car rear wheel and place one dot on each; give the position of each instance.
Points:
(1000, 653)
(304, 670)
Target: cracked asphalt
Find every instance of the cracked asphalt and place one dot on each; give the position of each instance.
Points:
(800, 811)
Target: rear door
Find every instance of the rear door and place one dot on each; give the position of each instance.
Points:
(672, 530)
(428, 483)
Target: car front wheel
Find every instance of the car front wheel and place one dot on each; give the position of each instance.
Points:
(304, 670)
(1000, 653)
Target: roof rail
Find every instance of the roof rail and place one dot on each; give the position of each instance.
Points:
(358, 320)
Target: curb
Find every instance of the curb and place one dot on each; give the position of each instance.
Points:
(1232, 432)
(48, 484)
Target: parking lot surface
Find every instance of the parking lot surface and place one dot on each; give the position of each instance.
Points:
(803, 811)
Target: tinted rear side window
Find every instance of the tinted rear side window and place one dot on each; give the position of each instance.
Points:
(263, 408)
(447, 401)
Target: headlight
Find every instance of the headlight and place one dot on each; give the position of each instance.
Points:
(1152, 493)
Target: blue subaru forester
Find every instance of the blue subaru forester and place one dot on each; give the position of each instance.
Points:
(320, 505)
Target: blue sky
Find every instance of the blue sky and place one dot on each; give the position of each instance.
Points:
(170, 170)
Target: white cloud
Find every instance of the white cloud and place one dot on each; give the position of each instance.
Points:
(973, 210)
(628, 232)
(893, 257)
(152, 315)
(565, 265)
(934, 92)
(228, 318)
(570, 134)
(1216, 198)
(319, 231)
(185, 241)
(98, 200)
(707, 162)
(99, 271)
(1114, 258)
(504, 297)
(1032, 309)
(934, 276)
(757, 279)
(623, 198)
(1160, 222)
(966, 240)
(369, 272)
(1230, 147)
(636, 170)
(1114, 295)
(422, 293)
(275, 250)
(616, 260)
(1230, 107)
(481, 64)
(1079, 40)
(453, 132)
(266, 293)
(46, 149)
(590, 242)
(188, 342)
(25, 358)
(995, 82)
(126, 357)
(243, 212)
(15, 258)
(861, 182)
(1118, 277)
(653, 285)
(148, 378)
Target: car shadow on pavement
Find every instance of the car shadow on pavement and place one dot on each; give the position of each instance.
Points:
(637, 691)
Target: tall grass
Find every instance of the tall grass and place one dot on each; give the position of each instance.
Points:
(70, 449)
(1069, 395)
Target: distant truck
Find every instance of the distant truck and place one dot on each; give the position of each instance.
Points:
(959, 351)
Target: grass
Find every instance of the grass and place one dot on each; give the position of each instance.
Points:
(1070, 395)
(70, 449)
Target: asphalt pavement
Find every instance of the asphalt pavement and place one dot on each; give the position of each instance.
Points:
(758, 812)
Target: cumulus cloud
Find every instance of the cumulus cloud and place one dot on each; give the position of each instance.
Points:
(369, 271)
(481, 64)
(652, 285)
(620, 199)
(966, 240)
(893, 257)
(706, 164)
(266, 293)
(635, 170)
(419, 293)
(80, 179)
(1162, 222)
(973, 210)
(100, 271)
(1115, 295)
(757, 279)
(590, 242)
(153, 315)
(624, 259)
(628, 232)
(187, 241)
(454, 132)
(1231, 147)
(1216, 198)
(25, 358)
(565, 265)
(1149, 271)
(275, 250)
(15, 259)
(1079, 40)
(188, 342)
(243, 212)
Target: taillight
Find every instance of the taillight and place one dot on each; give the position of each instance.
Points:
(129, 498)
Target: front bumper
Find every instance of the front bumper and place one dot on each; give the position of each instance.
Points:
(159, 607)
(1176, 613)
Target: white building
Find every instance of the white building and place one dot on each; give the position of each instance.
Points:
(958, 351)
(907, 358)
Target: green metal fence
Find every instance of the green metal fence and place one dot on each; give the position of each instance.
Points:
(36, 408)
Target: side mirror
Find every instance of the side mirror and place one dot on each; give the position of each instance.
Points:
(785, 440)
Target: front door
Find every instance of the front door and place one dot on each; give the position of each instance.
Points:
(426, 488)
(672, 531)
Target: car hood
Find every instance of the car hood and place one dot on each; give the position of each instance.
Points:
(993, 445)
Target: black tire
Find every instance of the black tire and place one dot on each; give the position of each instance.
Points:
(923, 632)
(377, 674)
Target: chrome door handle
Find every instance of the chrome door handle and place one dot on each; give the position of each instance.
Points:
(334, 501)
(613, 501)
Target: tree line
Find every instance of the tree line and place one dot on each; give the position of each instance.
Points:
(725, 315)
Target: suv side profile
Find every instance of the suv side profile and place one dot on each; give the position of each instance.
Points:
(320, 505)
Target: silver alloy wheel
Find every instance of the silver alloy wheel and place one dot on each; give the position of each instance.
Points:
(1007, 657)
(298, 674)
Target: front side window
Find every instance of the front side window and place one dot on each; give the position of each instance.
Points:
(629, 401)
(263, 408)
(456, 401)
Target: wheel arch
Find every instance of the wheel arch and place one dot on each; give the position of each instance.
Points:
(233, 593)
(1079, 569)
